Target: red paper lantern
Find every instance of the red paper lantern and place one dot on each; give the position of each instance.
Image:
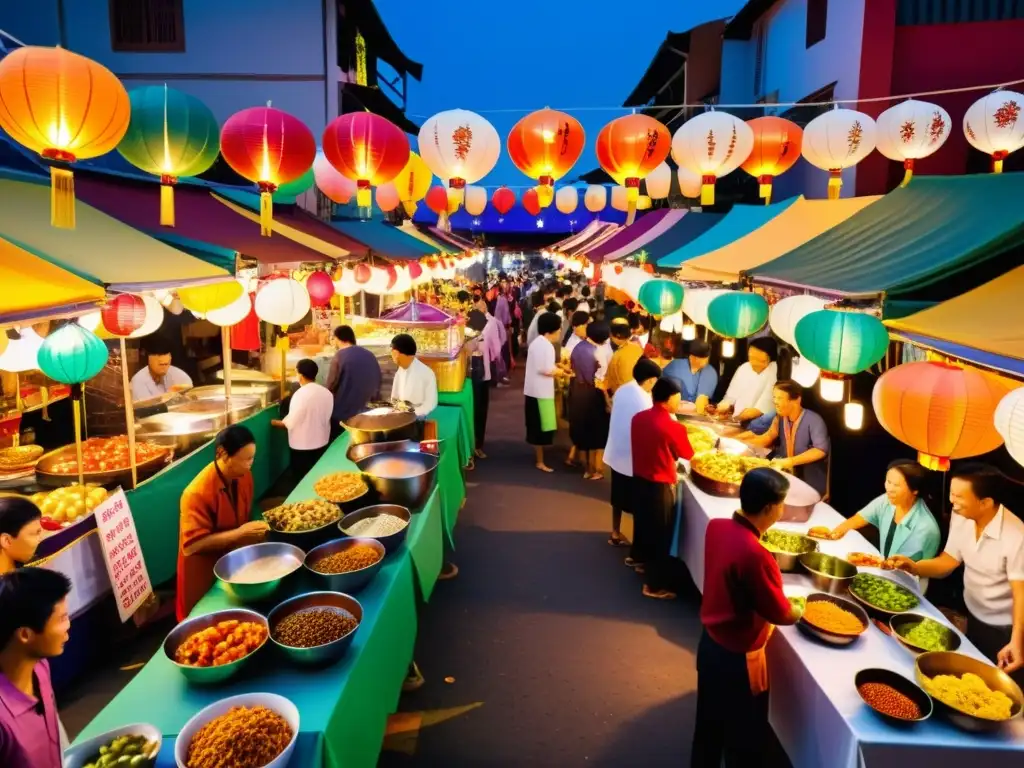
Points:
(531, 202)
(268, 147)
(415, 270)
(392, 275)
(320, 288)
(503, 200)
(367, 148)
(363, 273)
(123, 314)
(437, 199)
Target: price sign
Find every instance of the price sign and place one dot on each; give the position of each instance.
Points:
(122, 554)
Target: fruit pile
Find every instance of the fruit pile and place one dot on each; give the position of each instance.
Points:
(65, 506)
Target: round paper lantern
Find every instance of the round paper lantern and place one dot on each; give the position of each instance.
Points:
(287, 192)
(661, 297)
(363, 273)
(910, 131)
(378, 282)
(22, 353)
(476, 200)
(672, 323)
(689, 182)
(72, 354)
(943, 411)
(1009, 423)
(566, 200)
(804, 372)
(171, 134)
(545, 145)
(841, 342)
(200, 299)
(713, 144)
(366, 148)
(630, 147)
(387, 197)
(3, 342)
(787, 312)
(233, 313)
(268, 147)
(695, 304)
(737, 314)
(282, 302)
(993, 125)
(620, 198)
(346, 285)
(503, 200)
(412, 182)
(418, 274)
(65, 107)
(459, 146)
(836, 140)
(320, 288)
(437, 200)
(595, 198)
(531, 202)
(659, 182)
(335, 187)
(776, 149)
(154, 318)
(123, 314)
(403, 280)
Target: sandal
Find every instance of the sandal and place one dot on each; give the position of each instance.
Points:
(595, 476)
(618, 540)
(631, 563)
(661, 594)
(543, 467)
(586, 475)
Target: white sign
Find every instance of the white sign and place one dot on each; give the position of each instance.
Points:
(122, 554)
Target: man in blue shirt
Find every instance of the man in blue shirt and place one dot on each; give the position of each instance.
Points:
(694, 376)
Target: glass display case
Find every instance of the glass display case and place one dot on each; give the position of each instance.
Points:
(437, 333)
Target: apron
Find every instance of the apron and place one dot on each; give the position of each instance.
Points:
(757, 666)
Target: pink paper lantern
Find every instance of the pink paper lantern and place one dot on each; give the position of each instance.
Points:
(320, 288)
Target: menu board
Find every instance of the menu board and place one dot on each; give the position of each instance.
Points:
(122, 554)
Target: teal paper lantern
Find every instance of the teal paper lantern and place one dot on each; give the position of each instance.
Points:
(737, 314)
(72, 354)
(661, 297)
(841, 342)
(287, 192)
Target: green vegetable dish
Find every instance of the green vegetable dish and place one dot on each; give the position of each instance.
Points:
(927, 634)
(783, 541)
(132, 751)
(884, 594)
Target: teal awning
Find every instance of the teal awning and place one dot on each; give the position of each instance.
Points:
(737, 223)
(386, 240)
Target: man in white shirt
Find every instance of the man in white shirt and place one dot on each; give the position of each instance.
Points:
(584, 305)
(989, 540)
(539, 387)
(749, 396)
(415, 382)
(158, 377)
(531, 334)
(308, 421)
(628, 401)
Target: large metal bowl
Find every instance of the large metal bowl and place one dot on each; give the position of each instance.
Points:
(878, 610)
(352, 581)
(391, 543)
(829, 574)
(789, 562)
(46, 477)
(934, 663)
(182, 431)
(365, 450)
(306, 540)
(834, 638)
(901, 623)
(233, 562)
(320, 654)
(405, 478)
(381, 425)
(902, 685)
(187, 628)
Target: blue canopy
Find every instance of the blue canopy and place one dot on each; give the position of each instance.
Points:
(737, 223)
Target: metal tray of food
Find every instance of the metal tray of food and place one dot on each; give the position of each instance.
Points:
(718, 487)
(263, 394)
(723, 427)
(183, 431)
(45, 476)
(213, 400)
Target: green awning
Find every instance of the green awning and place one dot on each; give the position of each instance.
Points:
(737, 223)
(914, 237)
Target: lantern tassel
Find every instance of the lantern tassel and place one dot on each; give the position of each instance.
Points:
(908, 167)
(937, 463)
(410, 207)
(707, 190)
(765, 188)
(835, 183)
(997, 161)
(166, 205)
(266, 213)
(62, 198)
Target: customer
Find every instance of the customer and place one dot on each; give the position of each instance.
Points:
(484, 353)
(20, 532)
(584, 305)
(588, 412)
(696, 378)
(618, 452)
(539, 387)
(354, 378)
(535, 303)
(308, 421)
(34, 624)
(415, 382)
(569, 307)
(620, 369)
(742, 601)
(578, 325)
(657, 441)
(989, 540)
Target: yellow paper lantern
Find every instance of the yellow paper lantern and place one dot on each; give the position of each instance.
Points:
(202, 299)
(413, 182)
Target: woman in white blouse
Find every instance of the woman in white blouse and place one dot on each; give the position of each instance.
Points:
(749, 396)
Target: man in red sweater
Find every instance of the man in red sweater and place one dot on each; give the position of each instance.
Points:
(658, 441)
(742, 602)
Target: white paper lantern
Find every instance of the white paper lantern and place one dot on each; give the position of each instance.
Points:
(90, 320)
(475, 200)
(689, 182)
(233, 313)
(912, 130)
(175, 307)
(403, 283)
(566, 199)
(378, 282)
(836, 140)
(712, 145)
(282, 302)
(659, 182)
(22, 354)
(805, 373)
(620, 198)
(1009, 420)
(994, 125)
(672, 323)
(346, 284)
(696, 302)
(459, 146)
(425, 276)
(787, 312)
(154, 318)
(595, 198)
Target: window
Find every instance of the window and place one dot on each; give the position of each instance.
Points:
(817, 21)
(147, 26)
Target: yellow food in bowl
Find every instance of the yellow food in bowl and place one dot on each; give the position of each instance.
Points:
(970, 695)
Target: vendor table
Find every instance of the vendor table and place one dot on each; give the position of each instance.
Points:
(467, 431)
(450, 482)
(813, 707)
(344, 707)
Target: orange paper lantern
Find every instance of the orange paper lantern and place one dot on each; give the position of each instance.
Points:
(545, 145)
(531, 202)
(944, 411)
(64, 107)
(387, 197)
(777, 145)
(367, 148)
(630, 147)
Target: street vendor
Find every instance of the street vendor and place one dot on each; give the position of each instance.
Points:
(415, 382)
(749, 396)
(158, 377)
(693, 374)
(216, 508)
(20, 532)
(800, 437)
(742, 602)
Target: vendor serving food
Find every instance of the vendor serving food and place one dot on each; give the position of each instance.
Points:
(749, 396)
(158, 377)
(415, 382)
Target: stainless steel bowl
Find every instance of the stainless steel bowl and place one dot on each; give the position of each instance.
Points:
(187, 628)
(320, 654)
(352, 581)
(829, 574)
(230, 564)
(894, 680)
(789, 562)
(934, 663)
(876, 609)
(901, 623)
(182, 430)
(410, 486)
(365, 450)
(381, 425)
(307, 539)
(391, 543)
(834, 638)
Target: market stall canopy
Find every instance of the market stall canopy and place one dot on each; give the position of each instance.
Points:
(32, 288)
(458, 241)
(587, 232)
(429, 238)
(634, 237)
(417, 312)
(737, 223)
(800, 222)
(929, 231)
(596, 239)
(199, 219)
(684, 231)
(983, 326)
(100, 249)
(384, 239)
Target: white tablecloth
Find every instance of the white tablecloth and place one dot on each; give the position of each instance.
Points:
(814, 708)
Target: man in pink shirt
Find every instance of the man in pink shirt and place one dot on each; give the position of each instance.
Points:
(34, 625)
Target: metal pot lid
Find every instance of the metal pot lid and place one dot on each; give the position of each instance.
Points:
(380, 419)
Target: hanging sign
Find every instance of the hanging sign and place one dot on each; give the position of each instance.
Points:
(122, 554)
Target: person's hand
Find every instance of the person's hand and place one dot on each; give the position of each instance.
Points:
(1011, 657)
(836, 534)
(901, 563)
(710, 409)
(252, 532)
(782, 464)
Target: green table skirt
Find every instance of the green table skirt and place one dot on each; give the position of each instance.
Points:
(467, 426)
(450, 481)
(344, 707)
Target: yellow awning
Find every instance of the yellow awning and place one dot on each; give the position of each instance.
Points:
(802, 221)
(31, 287)
(100, 249)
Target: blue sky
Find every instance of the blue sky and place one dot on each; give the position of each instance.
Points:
(535, 53)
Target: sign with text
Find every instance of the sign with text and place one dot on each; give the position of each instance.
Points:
(122, 554)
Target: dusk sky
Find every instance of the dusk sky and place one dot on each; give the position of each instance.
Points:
(533, 54)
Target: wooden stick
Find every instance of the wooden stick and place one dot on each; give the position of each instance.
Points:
(129, 413)
(225, 353)
(76, 406)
